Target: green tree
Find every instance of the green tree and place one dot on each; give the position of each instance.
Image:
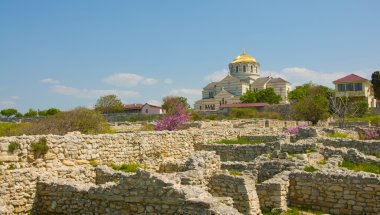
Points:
(10, 112)
(109, 104)
(31, 112)
(310, 102)
(248, 97)
(170, 103)
(265, 95)
(376, 84)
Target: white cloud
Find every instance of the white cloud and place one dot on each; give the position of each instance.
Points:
(186, 92)
(49, 81)
(300, 75)
(92, 93)
(216, 76)
(128, 80)
(168, 81)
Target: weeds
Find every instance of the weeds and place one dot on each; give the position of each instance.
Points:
(40, 147)
(13, 146)
(310, 169)
(130, 167)
(234, 172)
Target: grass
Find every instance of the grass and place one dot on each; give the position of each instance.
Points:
(337, 135)
(1, 163)
(310, 169)
(373, 119)
(291, 155)
(362, 166)
(240, 140)
(13, 146)
(40, 147)
(311, 150)
(322, 162)
(93, 162)
(235, 172)
(377, 155)
(130, 167)
(147, 127)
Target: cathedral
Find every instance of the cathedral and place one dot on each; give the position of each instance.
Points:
(244, 74)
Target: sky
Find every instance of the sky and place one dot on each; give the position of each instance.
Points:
(67, 54)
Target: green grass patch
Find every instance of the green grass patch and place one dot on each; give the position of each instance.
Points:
(322, 162)
(40, 147)
(234, 172)
(310, 169)
(13, 146)
(1, 163)
(362, 166)
(147, 127)
(291, 155)
(93, 162)
(240, 140)
(311, 150)
(373, 119)
(377, 155)
(142, 117)
(337, 135)
(130, 167)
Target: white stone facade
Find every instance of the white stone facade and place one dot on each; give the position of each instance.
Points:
(244, 75)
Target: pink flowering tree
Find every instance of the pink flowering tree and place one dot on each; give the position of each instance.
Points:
(371, 134)
(174, 120)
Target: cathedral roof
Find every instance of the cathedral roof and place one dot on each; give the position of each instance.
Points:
(244, 58)
(261, 80)
(278, 80)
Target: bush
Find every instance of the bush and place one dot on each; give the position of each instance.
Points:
(80, 119)
(173, 121)
(310, 169)
(13, 146)
(294, 130)
(40, 147)
(370, 134)
(130, 167)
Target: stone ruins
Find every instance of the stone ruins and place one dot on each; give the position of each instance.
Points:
(187, 172)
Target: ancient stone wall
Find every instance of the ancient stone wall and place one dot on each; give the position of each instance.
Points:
(273, 193)
(298, 148)
(370, 147)
(336, 193)
(240, 189)
(244, 152)
(141, 193)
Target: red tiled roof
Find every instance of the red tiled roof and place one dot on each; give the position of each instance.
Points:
(133, 106)
(259, 104)
(350, 78)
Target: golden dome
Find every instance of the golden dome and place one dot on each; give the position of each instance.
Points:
(244, 58)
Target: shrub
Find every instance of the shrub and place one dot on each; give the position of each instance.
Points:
(40, 147)
(362, 166)
(310, 169)
(80, 119)
(234, 172)
(370, 134)
(337, 135)
(13, 146)
(11, 167)
(130, 167)
(294, 130)
(173, 121)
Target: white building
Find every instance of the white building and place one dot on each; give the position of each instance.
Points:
(244, 74)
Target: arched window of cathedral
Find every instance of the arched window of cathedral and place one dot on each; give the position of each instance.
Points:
(237, 69)
(251, 68)
(243, 68)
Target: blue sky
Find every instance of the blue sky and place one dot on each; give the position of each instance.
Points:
(68, 53)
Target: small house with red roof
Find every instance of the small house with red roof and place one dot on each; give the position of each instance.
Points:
(357, 87)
